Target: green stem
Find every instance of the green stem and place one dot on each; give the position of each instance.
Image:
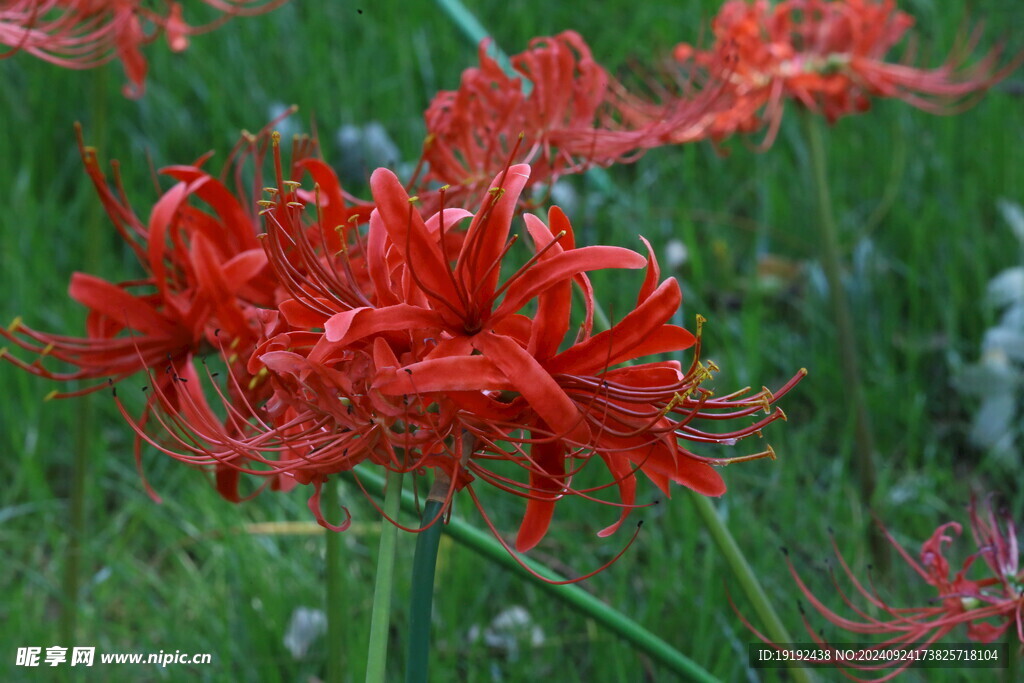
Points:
(616, 622)
(421, 605)
(85, 411)
(737, 562)
(337, 614)
(380, 620)
(852, 386)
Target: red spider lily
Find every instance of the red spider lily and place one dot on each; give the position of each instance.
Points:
(988, 605)
(83, 34)
(830, 56)
(429, 351)
(205, 287)
(297, 271)
(569, 112)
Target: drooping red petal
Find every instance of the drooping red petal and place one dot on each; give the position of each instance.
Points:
(540, 506)
(622, 471)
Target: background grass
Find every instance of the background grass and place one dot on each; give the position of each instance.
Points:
(185, 576)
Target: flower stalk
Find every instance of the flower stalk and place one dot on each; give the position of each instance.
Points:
(583, 602)
(337, 613)
(380, 619)
(421, 604)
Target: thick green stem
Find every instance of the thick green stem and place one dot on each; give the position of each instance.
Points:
(337, 614)
(422, 602)
(380, 620)
(853, 389)
(744, 574)
(585, 603)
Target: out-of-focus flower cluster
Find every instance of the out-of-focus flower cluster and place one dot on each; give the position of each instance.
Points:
(986, 597)
(83, 34)
(830, 56)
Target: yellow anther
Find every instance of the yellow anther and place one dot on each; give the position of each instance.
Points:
(3, 351)
(46, 349)
(414, 199)
(293, 184)
(297, 205)
(50, 396)
(700, 323)
(234, 343)
(275, 138)
(258, 378)
(265, 203)
(270, 190)
(232, 359)
(444, 188)
(265, 211)
(15, 324)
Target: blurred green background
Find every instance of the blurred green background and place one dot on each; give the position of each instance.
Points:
(916, 197)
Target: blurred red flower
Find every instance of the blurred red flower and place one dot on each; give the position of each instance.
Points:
(828, 55)
(562, 113)
(83, 34)
(987, 605)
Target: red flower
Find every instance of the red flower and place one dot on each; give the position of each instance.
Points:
(82, 34)
(408, 349)
(204, 286)
(828, 55)
(987, 605)
(451, 345)
(566, 108)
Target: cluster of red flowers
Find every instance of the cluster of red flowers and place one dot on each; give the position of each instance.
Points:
(83, 34)
(827, 55)
(397, 331)
(988, 606)
(390, 337)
